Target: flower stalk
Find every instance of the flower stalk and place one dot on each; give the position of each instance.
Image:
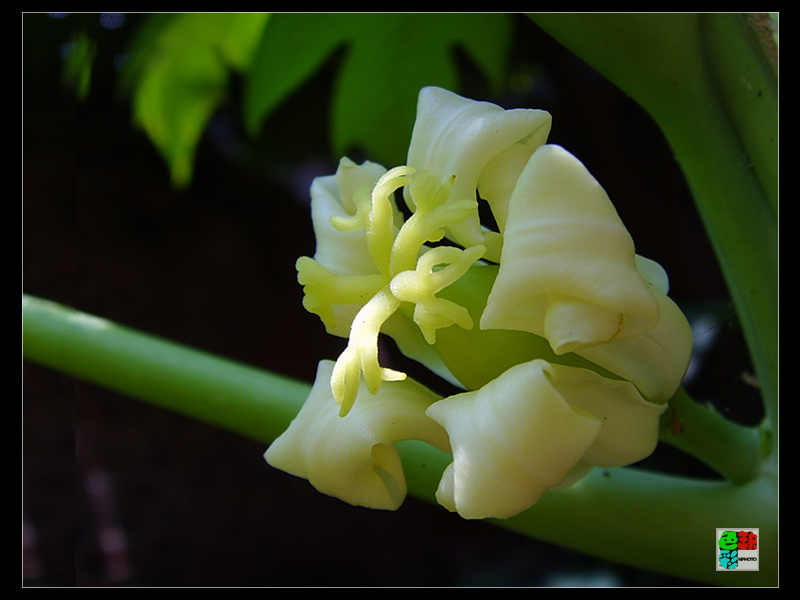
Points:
(260, 405)
(247, 401)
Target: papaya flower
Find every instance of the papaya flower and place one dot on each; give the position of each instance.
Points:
(563, 340)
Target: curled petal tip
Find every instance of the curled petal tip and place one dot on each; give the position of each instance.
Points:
(512, 440)
(567, 270)
(354, 458)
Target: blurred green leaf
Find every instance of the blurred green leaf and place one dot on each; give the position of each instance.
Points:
(389, 57)
(77, 72)
(179, 76)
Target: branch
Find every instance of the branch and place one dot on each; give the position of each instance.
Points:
(247, 401)
(650, 521)
(734, 451)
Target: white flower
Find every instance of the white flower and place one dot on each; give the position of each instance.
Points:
(564, 338)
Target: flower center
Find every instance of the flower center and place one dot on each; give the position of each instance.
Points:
(407, 272)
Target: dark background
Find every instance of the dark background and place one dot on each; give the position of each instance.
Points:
(116, 492)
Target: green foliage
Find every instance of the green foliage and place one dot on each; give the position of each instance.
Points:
(77, 72)
(179, 75)
(180, 70)
(388, 58)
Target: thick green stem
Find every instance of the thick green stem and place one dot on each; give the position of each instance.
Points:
(242, 399)
(651, 521)
(734, 451)
(659, 523)
(646, 520)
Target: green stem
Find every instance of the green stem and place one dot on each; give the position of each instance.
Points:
(645, 520)
(734, 451)
(657, 522)
(660, 523)
(242, 399)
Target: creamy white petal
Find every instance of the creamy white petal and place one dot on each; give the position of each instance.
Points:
(342, 252)
(457, 136)
(629, 423)
(653, 273)
(512, 440)
(499, 178)
(351, 177)
(353, 458)
(568, 269)
(655, 361)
